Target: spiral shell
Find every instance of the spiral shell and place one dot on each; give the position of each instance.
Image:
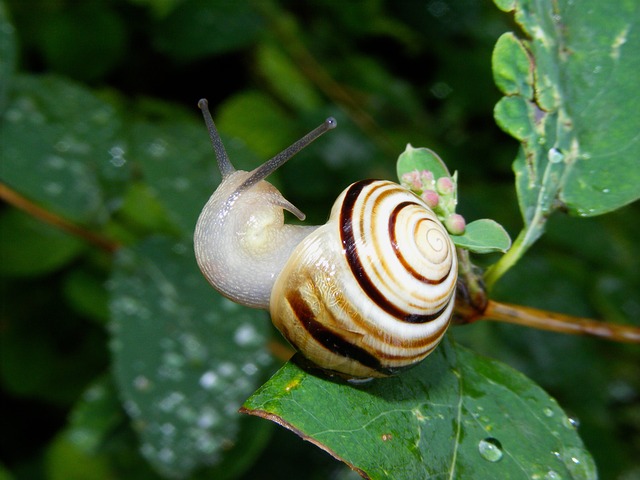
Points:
(371, 292)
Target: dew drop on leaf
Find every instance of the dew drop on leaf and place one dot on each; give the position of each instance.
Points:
(555, 155)
(208, 380)
(490, 449)
(547, 412)
(552, 475)
(245, 335)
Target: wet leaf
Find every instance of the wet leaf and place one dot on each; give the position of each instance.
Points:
(456, 415)
(179, 168)
(62, 148)
(184, 357)
(578, 124)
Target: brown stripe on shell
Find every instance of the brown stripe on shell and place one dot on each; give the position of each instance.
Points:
(351, 254)
(328, 338)
(394, 243)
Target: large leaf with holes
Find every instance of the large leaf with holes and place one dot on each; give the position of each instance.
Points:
(184, 357)
(573, 98)
(456, 415)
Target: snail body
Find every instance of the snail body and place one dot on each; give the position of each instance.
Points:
(367, 294)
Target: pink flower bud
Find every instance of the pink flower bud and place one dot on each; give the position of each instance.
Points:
(426, 177)
(444, 186)
(455, 224)
(431, 198)
(412, 180)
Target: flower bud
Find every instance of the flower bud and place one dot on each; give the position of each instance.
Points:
(412, 180)
(455, 224)
(431, 198)
(444, 186)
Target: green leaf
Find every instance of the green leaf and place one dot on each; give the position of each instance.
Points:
(579, 129)
(286, 79)
(101, 29)
(483, 236)
(29, 247)
(456, 415)
(585, 60)
(67, 461)
(199, 28)
(8, 55)
(179, 169)
(258, 121)
(511, 64)
(95, 416)
(421, 159)
(61, 148)
(184, 357)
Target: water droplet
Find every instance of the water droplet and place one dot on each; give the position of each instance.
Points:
(245, 335)
(193, 349)
(117, 156)
(158, 148)
(555, 156)
(491, 449)
(208, 418)
(166, 455)
(552, 475)
(141, 383)
(172, 400)
(55, 162)
(547, 412)
(579, 463)
(605, 190)
(53, 188)
(250, 369)
(571, 422)
(208, 380)
(167, 429)
(226, 369)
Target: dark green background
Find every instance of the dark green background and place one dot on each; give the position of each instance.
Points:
(400, 72)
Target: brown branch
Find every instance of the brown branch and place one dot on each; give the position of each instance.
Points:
(14, 198)
(557, 322)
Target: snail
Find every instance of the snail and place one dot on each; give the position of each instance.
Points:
(367, 294)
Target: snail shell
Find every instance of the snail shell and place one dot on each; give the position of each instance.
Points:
(367, 294)
(372, 291)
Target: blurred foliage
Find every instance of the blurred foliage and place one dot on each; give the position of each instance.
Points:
(110, 87)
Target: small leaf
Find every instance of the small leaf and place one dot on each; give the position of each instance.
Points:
(511, 68)
(483, 236)
(421, 159)
(184, 357)
(456, 414)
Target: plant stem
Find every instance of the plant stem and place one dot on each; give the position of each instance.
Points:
(14, 198)
(522, 243)
(557, 322)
